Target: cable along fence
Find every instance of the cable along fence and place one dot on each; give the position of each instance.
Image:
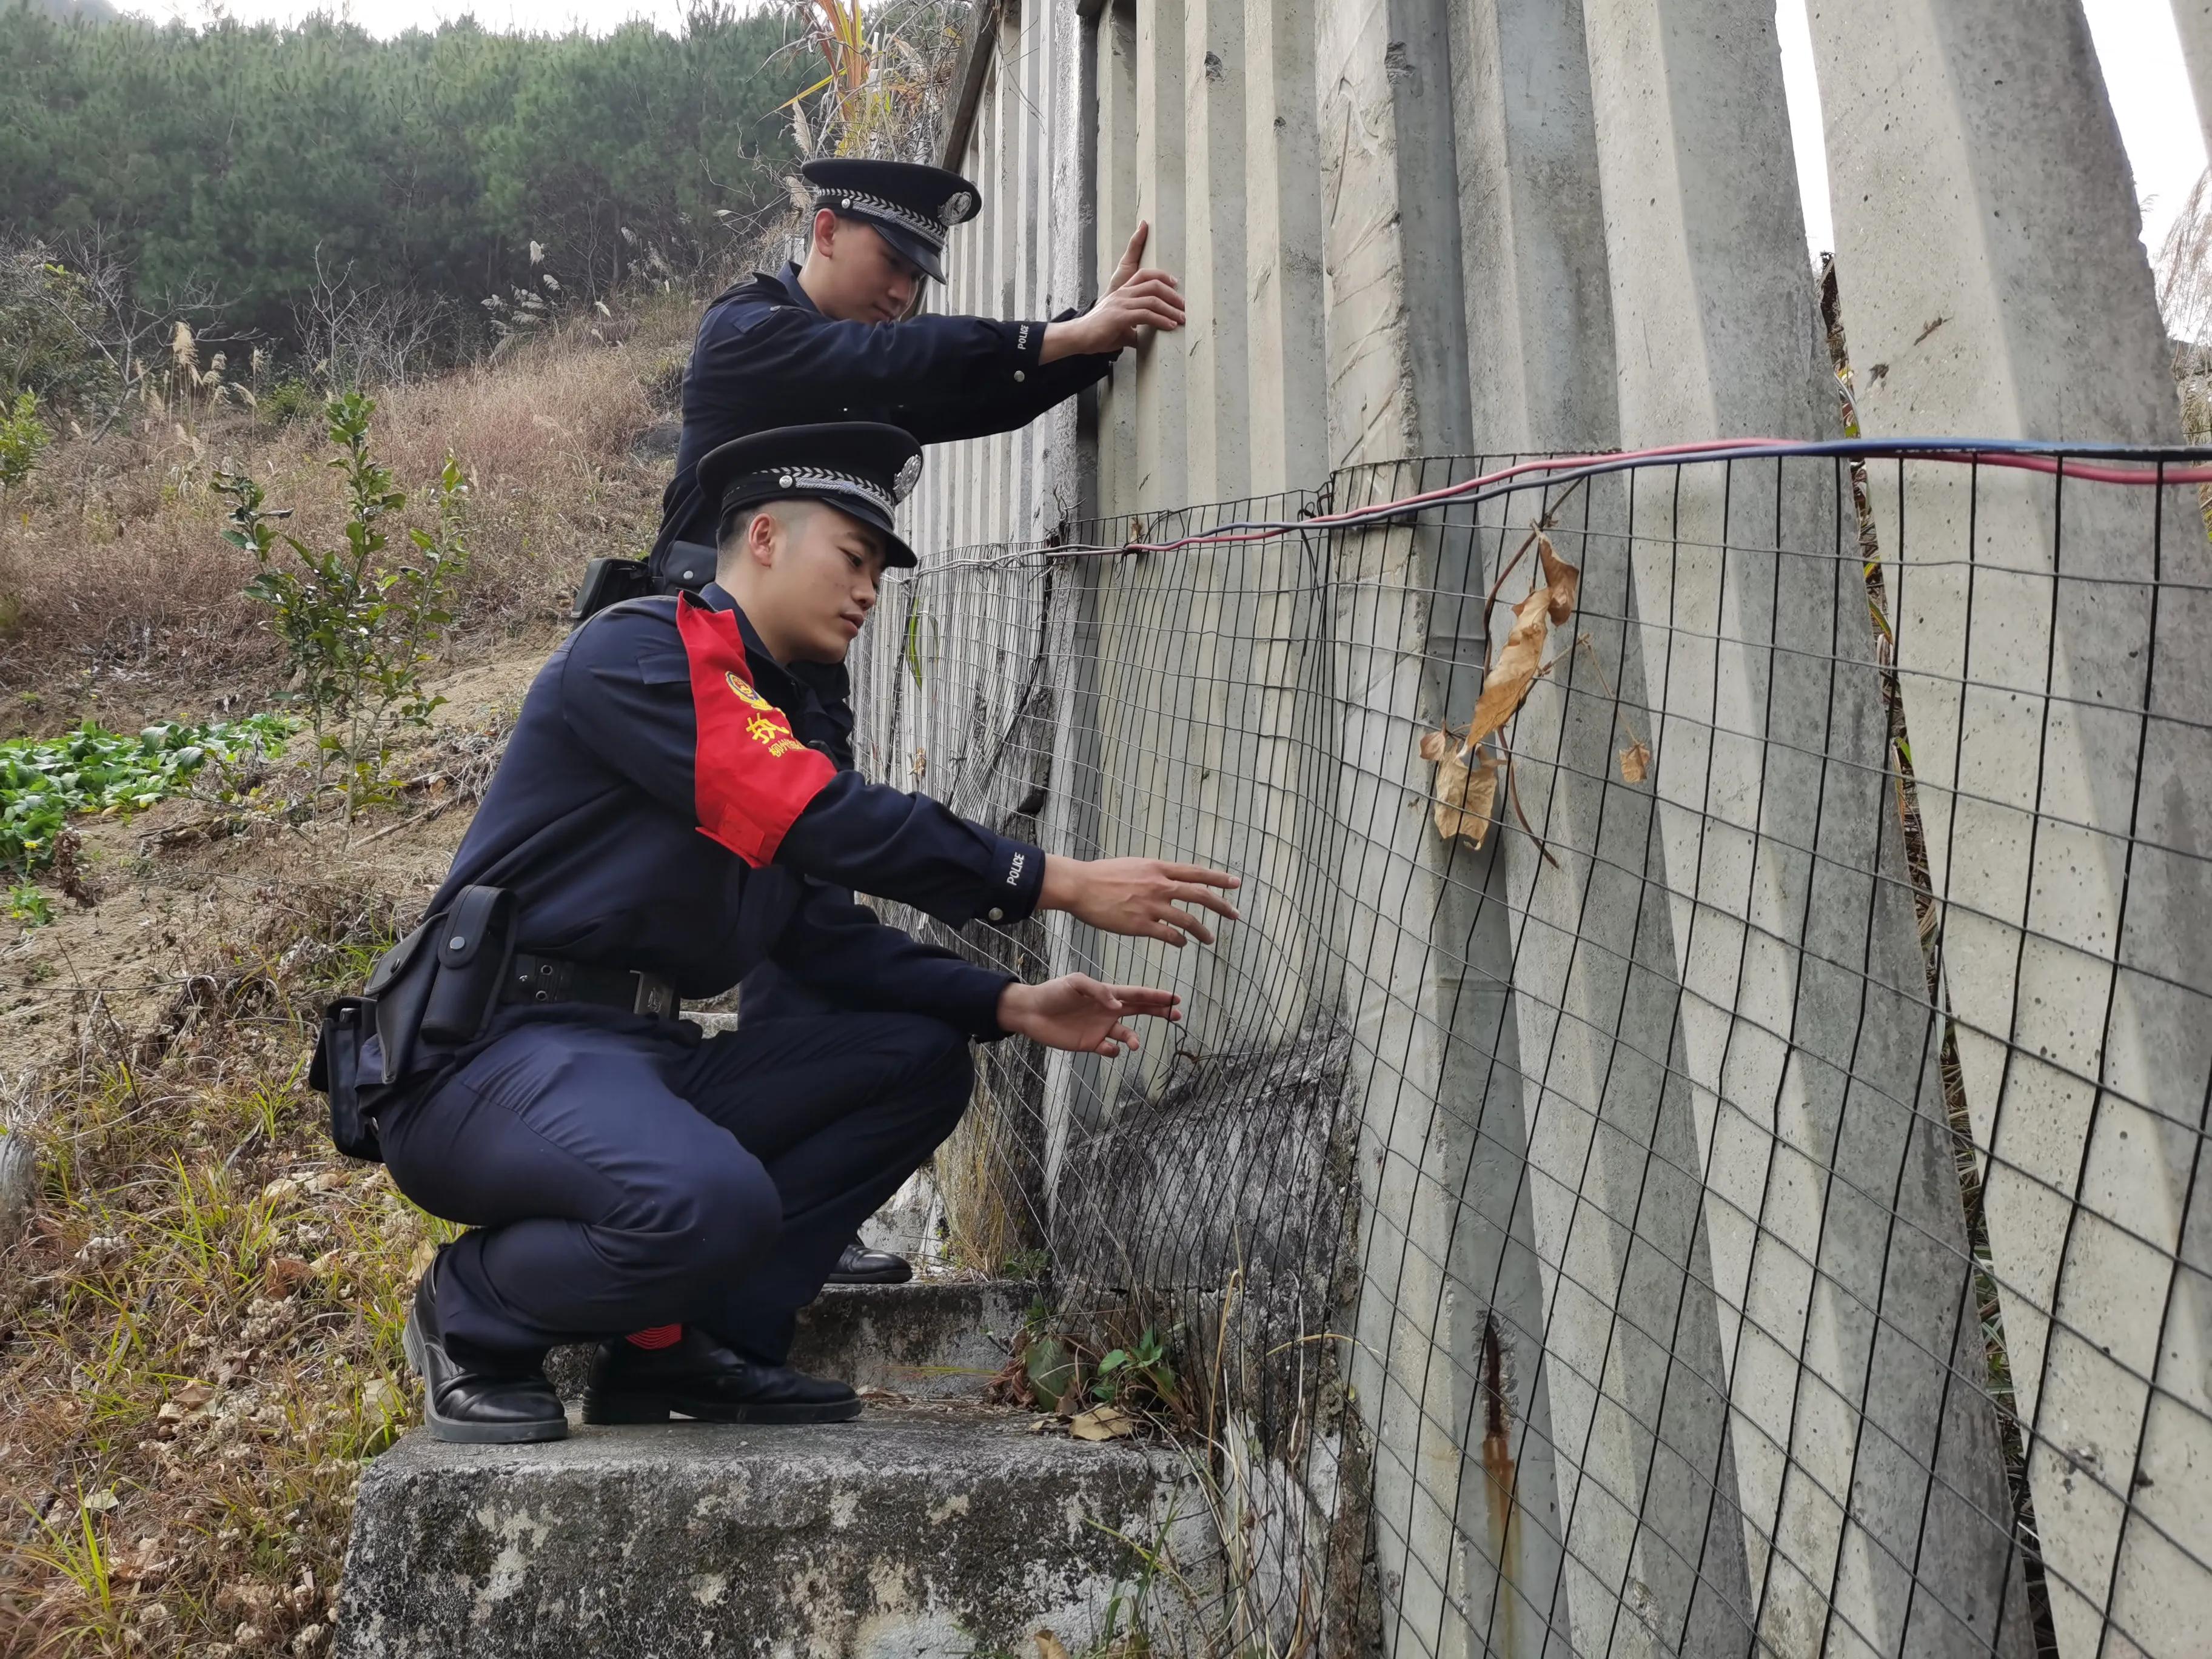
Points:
(1694, 1147)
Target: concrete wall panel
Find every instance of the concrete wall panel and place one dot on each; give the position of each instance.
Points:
(2008, 295)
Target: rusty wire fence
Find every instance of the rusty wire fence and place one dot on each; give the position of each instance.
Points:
(1693, 1146)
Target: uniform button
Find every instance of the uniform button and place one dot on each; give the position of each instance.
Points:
(997, 914)
(457, 941)
(1020, 375)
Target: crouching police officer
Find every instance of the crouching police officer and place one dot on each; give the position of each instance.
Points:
(656, 830)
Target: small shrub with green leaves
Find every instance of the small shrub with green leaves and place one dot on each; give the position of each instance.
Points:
(46, 781)
(357, 632)
(23, 435)
(290, 398)
(28, 905)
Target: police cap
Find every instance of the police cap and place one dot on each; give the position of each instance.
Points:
(862, 468)
(913, 207)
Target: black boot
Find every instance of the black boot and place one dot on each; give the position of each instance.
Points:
(480, 1400)
(697, 1377)
(859, 1265)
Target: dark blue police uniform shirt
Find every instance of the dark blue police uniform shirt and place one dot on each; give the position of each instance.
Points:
(767, 358)
(593, 822)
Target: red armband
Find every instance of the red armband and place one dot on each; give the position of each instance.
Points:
(751, 776)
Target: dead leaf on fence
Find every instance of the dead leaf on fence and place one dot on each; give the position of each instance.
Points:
(1562, 580)
(1636, 762)
(1049, 1646)
(1510, 678)
(1103, 1423)
(1465, 796)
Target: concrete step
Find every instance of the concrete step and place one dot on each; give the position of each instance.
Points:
(917, 1532)
(930, 1339)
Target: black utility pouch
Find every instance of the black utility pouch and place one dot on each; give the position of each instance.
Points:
(473, 943)
(336, 1071)
(609, 581)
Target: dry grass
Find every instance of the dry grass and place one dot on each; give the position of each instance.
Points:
(202, 1332)
(118, 596)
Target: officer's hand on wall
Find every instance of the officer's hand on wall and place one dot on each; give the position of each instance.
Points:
(1081, 1015)
(1138, 298)
(1133, 257)
(1139, 896)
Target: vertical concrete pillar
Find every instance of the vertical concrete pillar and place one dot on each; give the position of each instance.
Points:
(1283, 393)
(1162, 366)
(1215, 191)
(1117, 216)
(1395, 349)
(1819, 1459)
(2059, 734)
(1010, 117)
(2192, 20)
(1531, 229)
(1449, 1320)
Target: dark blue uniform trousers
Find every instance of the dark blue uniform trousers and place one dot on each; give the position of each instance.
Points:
(622, 1181)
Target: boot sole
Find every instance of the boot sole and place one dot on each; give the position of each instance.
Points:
(658, 1408)
(472, 1434)
(888, 1276)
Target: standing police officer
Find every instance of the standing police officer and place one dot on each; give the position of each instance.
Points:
(656, 828)
(831, 340)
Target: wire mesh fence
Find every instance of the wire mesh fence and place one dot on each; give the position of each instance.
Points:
(1700, 1156)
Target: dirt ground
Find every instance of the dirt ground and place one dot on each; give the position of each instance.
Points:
(165, 884)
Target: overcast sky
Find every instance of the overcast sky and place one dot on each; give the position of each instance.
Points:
(2136, 40)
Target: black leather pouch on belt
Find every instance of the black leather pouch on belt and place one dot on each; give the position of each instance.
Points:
(473, 945)
(440, 984)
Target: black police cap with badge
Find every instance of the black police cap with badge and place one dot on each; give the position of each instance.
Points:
(862, 468)
(912, 207)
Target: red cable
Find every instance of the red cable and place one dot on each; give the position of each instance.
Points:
(2086, 472)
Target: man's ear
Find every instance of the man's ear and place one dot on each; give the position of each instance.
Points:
(824, 232)
(763, 540)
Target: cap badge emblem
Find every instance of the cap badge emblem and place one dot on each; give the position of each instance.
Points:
(908, 476)
(958, 206)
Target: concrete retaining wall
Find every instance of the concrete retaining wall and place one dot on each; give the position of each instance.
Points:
(1671, 1321)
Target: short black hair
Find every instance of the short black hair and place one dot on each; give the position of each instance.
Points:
(733, 522)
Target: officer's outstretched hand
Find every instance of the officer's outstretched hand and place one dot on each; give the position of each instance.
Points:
(1140, 897)
(1082, 1015)
(1138, 298)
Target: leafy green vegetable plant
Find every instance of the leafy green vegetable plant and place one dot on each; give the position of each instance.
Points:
(44, 782)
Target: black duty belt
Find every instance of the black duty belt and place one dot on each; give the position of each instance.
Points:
(550, 979)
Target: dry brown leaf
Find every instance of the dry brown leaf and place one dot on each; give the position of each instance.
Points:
(1636, 762)
(1049, 1646)
(285, 1274)
(280, 1192)
(1465, 796)
(1510, 678)
(1103, 1423)
(1562, 580)
(193, 1395)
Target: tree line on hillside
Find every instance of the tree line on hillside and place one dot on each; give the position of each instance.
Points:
(247, 178)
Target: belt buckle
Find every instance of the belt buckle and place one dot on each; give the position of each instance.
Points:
(655, 996)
